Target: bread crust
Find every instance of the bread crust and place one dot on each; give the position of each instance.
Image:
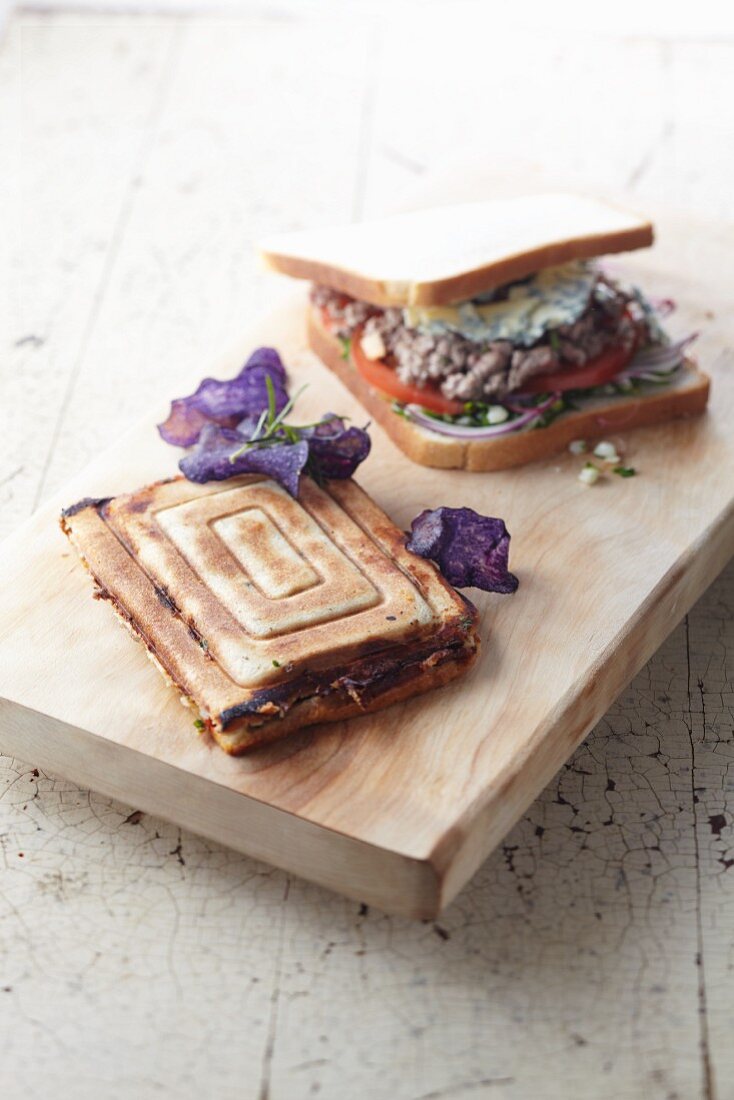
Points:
(427, 448)
(458, 288)
(472, 247)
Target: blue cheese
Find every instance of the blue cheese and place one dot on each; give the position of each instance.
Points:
(553, 297)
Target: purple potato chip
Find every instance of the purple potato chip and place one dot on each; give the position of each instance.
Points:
(268, 359)
(226, 403)
(470, 550)
(247, 394)
(184, 423)
(284, 462)
(210, 459)
(335, 450)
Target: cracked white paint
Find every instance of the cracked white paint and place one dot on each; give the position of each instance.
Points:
(592, 955)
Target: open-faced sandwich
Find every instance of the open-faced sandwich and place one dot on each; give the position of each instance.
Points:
(485, 335)
(267, 587)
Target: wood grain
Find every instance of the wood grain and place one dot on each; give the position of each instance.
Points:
(442, 791)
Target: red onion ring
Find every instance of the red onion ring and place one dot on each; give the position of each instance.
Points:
(461, 431)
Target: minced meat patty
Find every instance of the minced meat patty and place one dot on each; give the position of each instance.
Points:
(468, 371)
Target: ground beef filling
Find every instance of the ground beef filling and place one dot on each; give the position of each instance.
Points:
(467, 371)
(362, 682)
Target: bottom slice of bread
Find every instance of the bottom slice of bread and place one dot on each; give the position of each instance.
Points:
(686, 396)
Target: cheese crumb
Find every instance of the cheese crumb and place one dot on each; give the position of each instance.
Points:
(607, 450)
(577, 446)
(372, 345)
(496, 414)
(589, 475)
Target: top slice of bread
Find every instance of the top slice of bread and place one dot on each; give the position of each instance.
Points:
(450, 253)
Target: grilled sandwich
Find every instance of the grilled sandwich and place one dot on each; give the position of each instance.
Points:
(268, 614)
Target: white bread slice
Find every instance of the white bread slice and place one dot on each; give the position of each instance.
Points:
(686, 397)
(450, 253)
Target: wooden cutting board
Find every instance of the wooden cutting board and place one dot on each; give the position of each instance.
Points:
(398, 808)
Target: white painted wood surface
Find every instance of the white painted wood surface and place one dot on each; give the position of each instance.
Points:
(592, 955)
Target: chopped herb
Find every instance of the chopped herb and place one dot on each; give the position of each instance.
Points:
(276, 664)
(204, 644)
(557, 409)
(553, 340)
(467, 624)
(200, 725)
(625, 471)
(346, 345)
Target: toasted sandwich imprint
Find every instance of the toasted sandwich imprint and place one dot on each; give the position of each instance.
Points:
(269, 613)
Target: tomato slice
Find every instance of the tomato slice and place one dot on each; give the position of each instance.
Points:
(595, 373)
(383, 377)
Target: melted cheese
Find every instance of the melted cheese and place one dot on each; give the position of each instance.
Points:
(553, 297)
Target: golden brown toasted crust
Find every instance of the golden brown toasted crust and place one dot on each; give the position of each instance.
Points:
(339, 706)
(434, 257)
(212, 606)
(468, 284)
(686, 398)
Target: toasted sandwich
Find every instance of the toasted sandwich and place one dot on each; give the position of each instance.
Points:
(485, 336)
(266, 613)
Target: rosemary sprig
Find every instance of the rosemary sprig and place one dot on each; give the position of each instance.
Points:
(261, 421)
(271, 426)
(275, 421)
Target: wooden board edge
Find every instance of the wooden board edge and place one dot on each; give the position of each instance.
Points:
(392, 882)
(468, 842)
